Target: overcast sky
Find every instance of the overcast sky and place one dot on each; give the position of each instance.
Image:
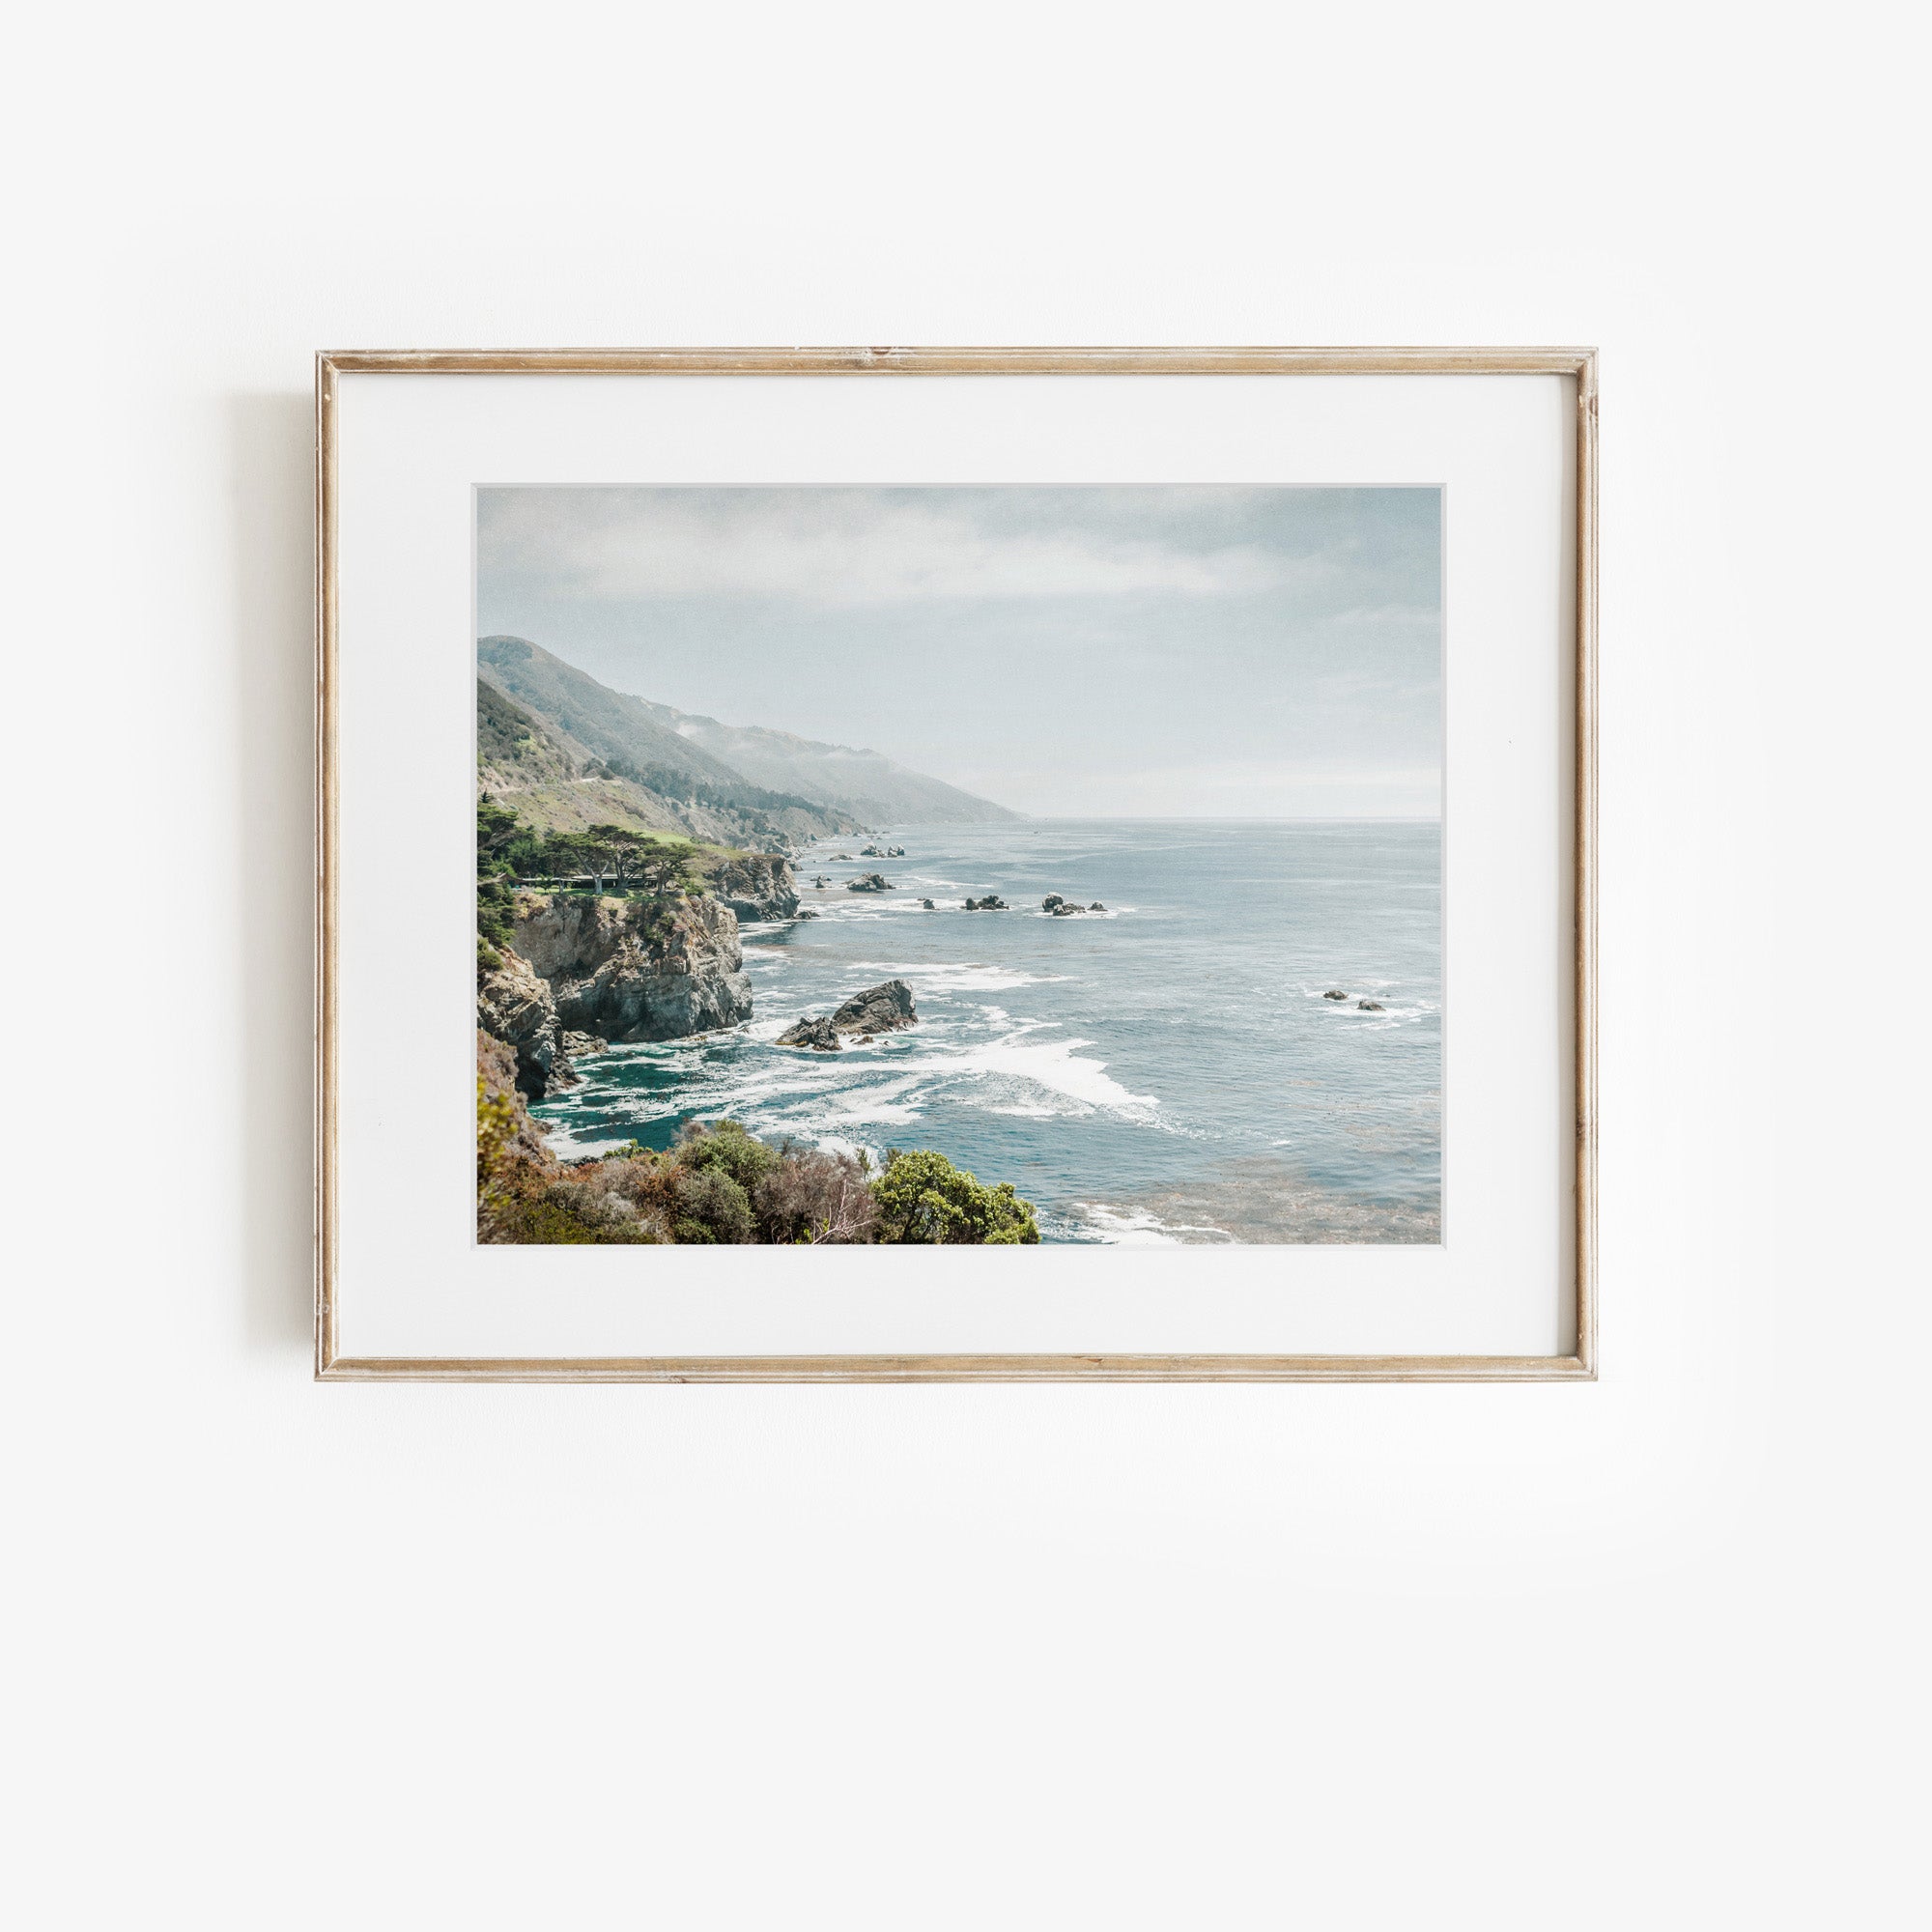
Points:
(1152, 651)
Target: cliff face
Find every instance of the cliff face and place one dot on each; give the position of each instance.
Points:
(759, 885)
(515, 1007)
(624, 970)
(498, 1067)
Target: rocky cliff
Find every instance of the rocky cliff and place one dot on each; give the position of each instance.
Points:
(758, 885)
(516, 1007)
(612, 970)
(631, 969)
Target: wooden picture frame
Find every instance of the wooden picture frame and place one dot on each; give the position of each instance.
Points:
(910, 364)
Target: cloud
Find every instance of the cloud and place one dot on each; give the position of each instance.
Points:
(833, 548)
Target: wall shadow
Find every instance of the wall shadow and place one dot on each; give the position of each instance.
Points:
(271, 498)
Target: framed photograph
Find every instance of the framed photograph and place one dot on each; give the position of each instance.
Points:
(956, 865)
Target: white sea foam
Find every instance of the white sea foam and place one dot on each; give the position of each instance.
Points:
(1137, 1228)
(959, 977)
(1031, 1070)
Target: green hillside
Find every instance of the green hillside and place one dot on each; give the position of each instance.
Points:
(604, 723)
(572, 754)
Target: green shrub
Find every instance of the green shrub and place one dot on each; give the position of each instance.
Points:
(711, 1207)
(725, 1147)
(923, 1198)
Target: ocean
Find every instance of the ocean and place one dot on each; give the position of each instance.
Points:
(1166, 1072)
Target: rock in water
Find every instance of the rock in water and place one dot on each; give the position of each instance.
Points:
(1096, 906)
(881, 1008)
(993, 902)
(820, 1035)
(928, 905)
(1370, 1007)
(1052, 902)
(869, 882)
(1334, 994)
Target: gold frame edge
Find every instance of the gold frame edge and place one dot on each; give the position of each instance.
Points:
(1580, 363)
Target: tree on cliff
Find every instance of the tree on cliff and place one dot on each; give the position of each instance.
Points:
(635, 859)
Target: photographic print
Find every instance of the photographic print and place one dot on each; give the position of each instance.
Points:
(993, 864)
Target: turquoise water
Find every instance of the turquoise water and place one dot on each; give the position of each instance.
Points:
(1166, 1072)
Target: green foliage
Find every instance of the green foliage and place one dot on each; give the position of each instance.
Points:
(495, 919)
(510, 739)
(496, 1129)
(711, 1207)
(627, 861)
(719, 1185)
(923, 1198)
(725, 1147)
(496, 827)
(507, 851)
(554, 1218)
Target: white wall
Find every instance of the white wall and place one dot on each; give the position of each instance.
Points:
(1634, 1654)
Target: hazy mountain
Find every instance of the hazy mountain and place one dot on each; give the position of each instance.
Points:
(794, 784)
(859, 781)
(597, 721)
(645, 779)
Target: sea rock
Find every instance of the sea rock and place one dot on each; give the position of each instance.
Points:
(1052, 902)
(514, 1005)
(1064, 911)
(805, 912)
(758, 885)
(993, 902)
(880, 1009)
(635, 970)
(869, 882)
(1334, 993)
(874, 852)
(895, 851)
(928, 905)
(1370, 1007)
(820, 1035)
(1096, 906)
